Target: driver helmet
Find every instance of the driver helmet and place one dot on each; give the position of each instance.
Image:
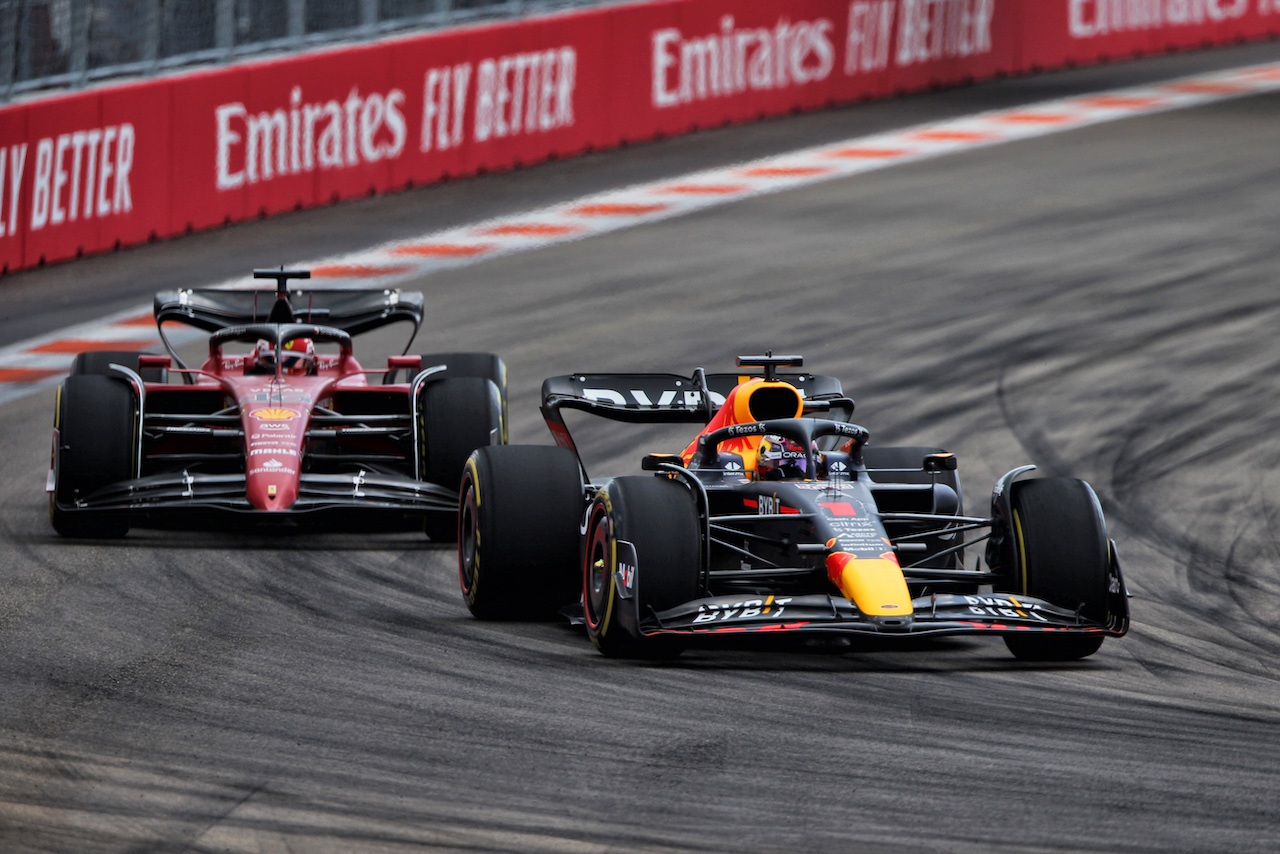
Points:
(263, 358)
(780, 458)
(299, 356)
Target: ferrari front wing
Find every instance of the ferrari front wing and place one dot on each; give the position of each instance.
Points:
(176, 495)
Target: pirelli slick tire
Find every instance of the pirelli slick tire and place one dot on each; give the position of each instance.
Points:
(99, 363)
(658, 517)
(519, 511)
(458, 416)
(1063, 557)
(484, 365)
(95, 439)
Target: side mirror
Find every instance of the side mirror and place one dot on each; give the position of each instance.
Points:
(935, 463)
(654, 462)
(410, 363)
(162, 362)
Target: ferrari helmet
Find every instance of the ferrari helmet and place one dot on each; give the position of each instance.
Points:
(299, 356)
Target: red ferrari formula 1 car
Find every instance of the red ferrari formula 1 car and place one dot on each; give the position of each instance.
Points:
(779, 517)
(280, 425)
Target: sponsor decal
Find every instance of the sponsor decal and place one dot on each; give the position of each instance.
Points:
(518, 94)
(305, 136)
(82, 174)
(288, 397)
(1092, 18)
(854, 430)
(858, 533)
(999, 606)
(273, 466)
(930, 30)
(273, 451)
(275, 414)
(739, 59)
(524, 92)
(638, 397)
(624, 572)
(507, 96)
(272, 425)
(769, 504)
(755, 429)
(748, 609)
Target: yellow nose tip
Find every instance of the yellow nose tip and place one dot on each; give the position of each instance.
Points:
(875, 585)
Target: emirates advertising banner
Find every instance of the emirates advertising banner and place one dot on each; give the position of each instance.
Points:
(124, 164)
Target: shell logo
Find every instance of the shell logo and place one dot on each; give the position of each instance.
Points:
(275, 414)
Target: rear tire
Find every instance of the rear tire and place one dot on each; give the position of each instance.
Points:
(520, 507)
(99, 363)
(94, 422)
(458, 416)
(660, 518)
(484, 365)
(1060, 537)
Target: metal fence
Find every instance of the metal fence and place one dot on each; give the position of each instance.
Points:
(68, 43)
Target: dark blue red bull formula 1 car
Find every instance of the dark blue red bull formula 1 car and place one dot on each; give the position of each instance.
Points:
(779, 517)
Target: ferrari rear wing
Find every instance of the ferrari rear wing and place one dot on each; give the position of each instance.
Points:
(352, 311)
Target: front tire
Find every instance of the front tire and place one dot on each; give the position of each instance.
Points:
(94, 424)
(659, 517)
(520, 507)
(1063, 557)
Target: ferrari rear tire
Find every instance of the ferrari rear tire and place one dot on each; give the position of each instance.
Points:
(1064, 558)
(519, 511)
(659, 517)
(94, 426)
(99, 362)
(458, 416)
(484, 365)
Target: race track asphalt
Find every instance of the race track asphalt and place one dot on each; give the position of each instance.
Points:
(1101, 303)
